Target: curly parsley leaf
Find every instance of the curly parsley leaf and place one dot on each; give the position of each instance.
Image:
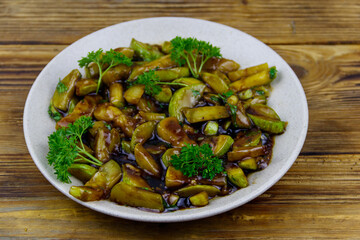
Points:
(197, 160)
(61, 87)
(104, 61)
(272, 73)
(187, 50)
(66, 147)
(54, 114)
(223, 97)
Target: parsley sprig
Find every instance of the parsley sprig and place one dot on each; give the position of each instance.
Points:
(66, 147)
(61, 87)
(187, 50)
(110, 58)
(195, 160)
(223, 97)
(152, 82)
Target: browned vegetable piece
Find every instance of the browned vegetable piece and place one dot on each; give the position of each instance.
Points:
(86, 194)
(101, 147)
(175, 178)
(83, 172)
(142, 133)
(85, 86)
(242, 119)
(215, 82)
(243, 152)
(166, 157)
(149, 116)
(132, 176)
(109, 113)
(236, 176)
(170, 131)
(222, 76)
(263, 110)
(61, 100)
(201, 114)
(166, 75)
(126, 194)
(155, 149)
(115, 139)
(255, 100)
(248, 163)
(241, 73)
(146, 161)
(164, 96)
(128, 52)
(201, 199)
(119, 72)
(250, 138)
(218, 180)
(146, 105)
(163, 63)
(222, 64)
(260, 78)
(192, 190)
(85, 107)
(134, 93)
(116, 95)
(107, 176)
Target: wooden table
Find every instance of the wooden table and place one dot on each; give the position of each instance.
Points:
(318, 198)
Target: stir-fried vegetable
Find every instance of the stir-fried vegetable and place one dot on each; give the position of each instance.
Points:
(157, 134)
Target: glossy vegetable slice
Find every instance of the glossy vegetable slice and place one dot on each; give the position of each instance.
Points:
(116, 95)
(83, 172)
(202, 114)
(185, 97)
(201, 199)
(85, 86)
(263, 110)
(146, 161)
(107, 176)
(61, 99)
(248, 163)
(175, 178)
(166, 75)
(85, 193)
(142, 133)
(215, 82)
(132, 176)
(126, 194)
(222, 145)
(268, 124)
(241, 73)
(166, 157)
(170, 131)
(237, 176)
(192, 190)
(145, 51)
(261, 78)
(243, 152)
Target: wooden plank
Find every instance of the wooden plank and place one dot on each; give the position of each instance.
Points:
(330, 76)
(318, 197)
(274, 22)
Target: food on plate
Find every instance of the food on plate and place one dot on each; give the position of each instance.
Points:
(162, 127)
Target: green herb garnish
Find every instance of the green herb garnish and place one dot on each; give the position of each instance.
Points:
(66, 147)
(272, 73)
(109, 58)
(223, 97)
(195, 92)
(151, 82)
(54, 114)
(60, 87)
(187, 50)
(195, 160)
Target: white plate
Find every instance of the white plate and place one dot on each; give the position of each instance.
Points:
(287, 98)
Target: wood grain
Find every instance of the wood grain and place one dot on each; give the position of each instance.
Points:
(274, 22)
(318, 198)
